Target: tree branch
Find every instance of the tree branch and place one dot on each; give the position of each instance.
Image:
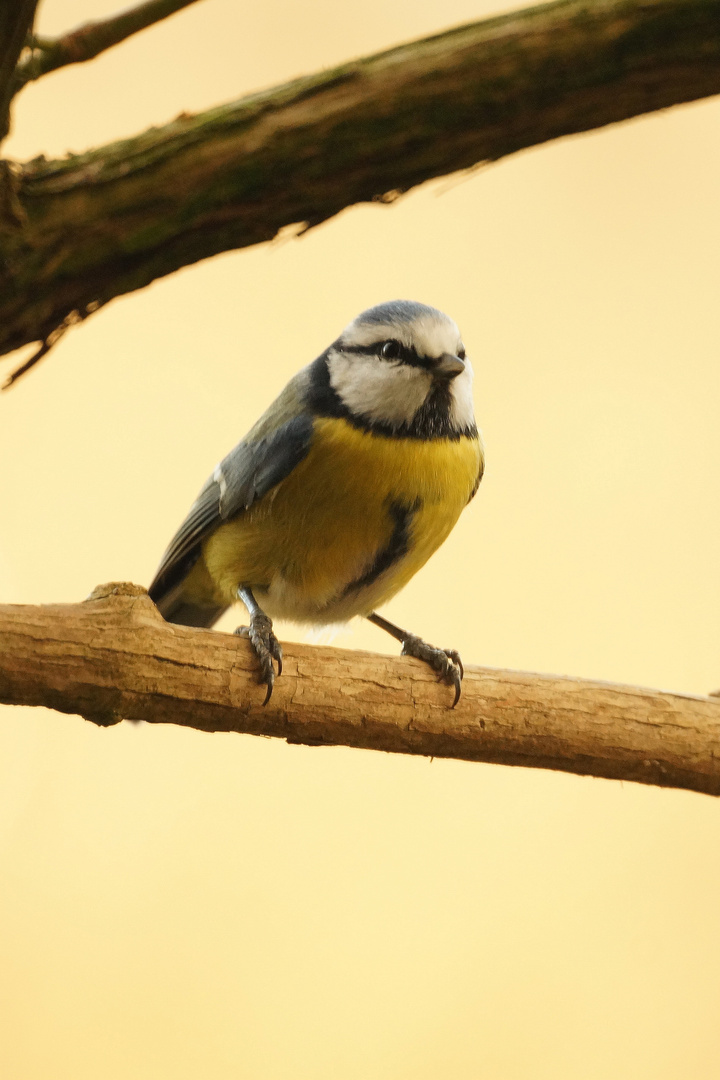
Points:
(91, 39)
(16, 20)
(112, 220)
(114, 657)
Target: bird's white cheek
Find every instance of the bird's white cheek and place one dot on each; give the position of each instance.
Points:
(383, 392)
(462, 412)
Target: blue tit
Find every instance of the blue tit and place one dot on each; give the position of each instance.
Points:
(341, 491)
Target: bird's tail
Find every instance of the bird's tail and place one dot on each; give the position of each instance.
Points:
(176, 607)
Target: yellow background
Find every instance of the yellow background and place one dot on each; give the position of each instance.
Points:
(182, 905)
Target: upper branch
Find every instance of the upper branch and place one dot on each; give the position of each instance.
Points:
(88, 41)
(114, 657)
(112, 220)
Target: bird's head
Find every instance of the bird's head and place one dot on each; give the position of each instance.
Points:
(401, 368)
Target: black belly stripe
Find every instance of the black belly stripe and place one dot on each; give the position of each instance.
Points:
(396, 547)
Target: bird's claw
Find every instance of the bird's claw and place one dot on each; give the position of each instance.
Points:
(446, 662)
(266, 648)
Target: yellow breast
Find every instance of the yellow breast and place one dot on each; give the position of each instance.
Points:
(322, 528)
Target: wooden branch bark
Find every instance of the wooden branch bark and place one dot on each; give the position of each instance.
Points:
(91, 39)
(101, 224)
(114, 657)
(16, 20)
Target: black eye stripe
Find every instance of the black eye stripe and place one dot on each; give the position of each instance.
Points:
(405, 354)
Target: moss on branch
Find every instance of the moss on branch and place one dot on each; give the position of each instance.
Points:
(96, 225)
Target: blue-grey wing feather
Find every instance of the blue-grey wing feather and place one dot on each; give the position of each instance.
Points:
(266, 456)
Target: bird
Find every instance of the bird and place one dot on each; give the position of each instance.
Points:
(340, 493)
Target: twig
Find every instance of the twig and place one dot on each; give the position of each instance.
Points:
(36, 356)
(52, 339)
(114, 657)
(88, 41)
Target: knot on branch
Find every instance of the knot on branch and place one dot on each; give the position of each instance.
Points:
(116, 588)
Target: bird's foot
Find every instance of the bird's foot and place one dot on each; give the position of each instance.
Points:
(446, 662)
(265, 646)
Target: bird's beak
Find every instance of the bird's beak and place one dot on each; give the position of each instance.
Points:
(448, 366)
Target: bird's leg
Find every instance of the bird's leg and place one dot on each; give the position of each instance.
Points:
(446, 662)
(260, 634)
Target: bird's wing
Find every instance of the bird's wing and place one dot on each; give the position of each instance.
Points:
(247, 473)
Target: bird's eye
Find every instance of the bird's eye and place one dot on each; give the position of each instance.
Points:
(390, 350)
(461, 352)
